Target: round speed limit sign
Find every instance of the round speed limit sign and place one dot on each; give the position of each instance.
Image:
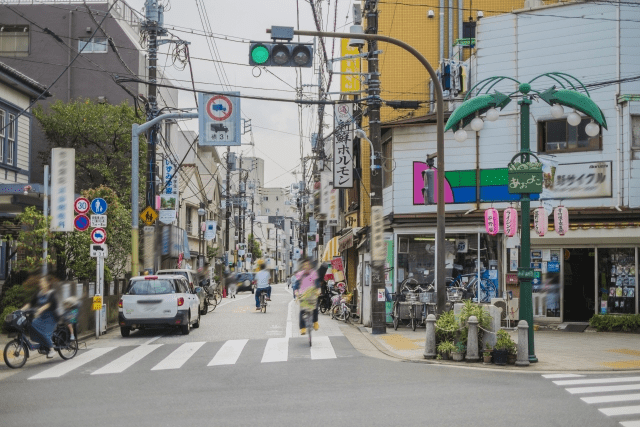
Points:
(82, 205)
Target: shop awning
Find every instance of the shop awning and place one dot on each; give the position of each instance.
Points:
(331, 250)
(346, 240)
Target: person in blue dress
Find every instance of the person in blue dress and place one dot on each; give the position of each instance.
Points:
(45, 320)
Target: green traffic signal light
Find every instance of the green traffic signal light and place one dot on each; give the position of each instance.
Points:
(260, 54)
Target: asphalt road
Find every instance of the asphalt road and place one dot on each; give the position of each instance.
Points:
(243, 367)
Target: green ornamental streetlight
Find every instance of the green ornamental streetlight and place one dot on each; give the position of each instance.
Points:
(525, 177)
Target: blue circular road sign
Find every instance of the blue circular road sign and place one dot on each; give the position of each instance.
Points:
(99, 206)
(81, 222)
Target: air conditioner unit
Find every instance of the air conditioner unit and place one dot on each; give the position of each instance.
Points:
(510, 308)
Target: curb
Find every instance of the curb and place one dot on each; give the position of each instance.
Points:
(531, 369)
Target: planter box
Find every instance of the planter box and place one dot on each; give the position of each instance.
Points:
(458, 357)
(511, 359)
(500, 357)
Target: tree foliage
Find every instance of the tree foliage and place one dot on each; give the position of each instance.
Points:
(257, 252)
(101, 136)
(33, 230)
(73, 247)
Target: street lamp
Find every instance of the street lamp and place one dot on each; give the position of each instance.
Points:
(469, 112)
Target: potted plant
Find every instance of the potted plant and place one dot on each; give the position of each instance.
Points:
(458, 352)
(504, 345)
(512, 356)
(487, 354)
(445, 348)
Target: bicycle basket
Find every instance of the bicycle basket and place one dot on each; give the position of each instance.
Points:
(15, 321)
(427, 297)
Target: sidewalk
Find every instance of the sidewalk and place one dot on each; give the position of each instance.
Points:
(555, 350)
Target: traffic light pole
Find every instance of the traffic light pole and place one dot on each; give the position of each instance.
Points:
(377, 278)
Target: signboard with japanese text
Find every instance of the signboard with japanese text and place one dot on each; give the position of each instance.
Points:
(343, 146)
(63, 172)
(98, 221)
(349, 83)
(219, 117)
(576, 180)
(170, 178)
(334, 210)
(168, 203)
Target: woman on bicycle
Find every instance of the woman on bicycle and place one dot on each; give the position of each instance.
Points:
(45, 319)
(307, 292)
(263, 283)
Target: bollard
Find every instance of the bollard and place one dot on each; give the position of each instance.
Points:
(472, 340)
(430, 343)
(523, 344)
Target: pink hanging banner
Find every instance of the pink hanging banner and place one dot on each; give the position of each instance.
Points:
(510, 222)
(561, 220)
(492, 221)
(540, 221)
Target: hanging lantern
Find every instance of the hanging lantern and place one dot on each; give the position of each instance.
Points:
(540, 221)
(561, 220)
(492, 221)
(510, 222)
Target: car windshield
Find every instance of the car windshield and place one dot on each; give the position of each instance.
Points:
(151, 287)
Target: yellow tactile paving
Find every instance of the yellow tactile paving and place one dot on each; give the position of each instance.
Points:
(627, 364)
(625, 351)
(398, 342)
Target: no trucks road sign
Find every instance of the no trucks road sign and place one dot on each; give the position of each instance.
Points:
(219, 117)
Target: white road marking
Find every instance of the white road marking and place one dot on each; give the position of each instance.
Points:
(599, 381)
(621, 410)
(603, 389)
(70, 365)
(614, 398)
(630, 424)
(228, 353)
(322, 348)
(179, 356)
(230, 300)
(277, 350)
(289, 319)
(127, 360)
(153, 339)
(554, 376)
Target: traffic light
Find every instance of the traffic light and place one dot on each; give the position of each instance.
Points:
(281, 54)
(428, 192)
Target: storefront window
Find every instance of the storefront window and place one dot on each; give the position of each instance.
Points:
(417, 260)
(546, 282)
(617, 280)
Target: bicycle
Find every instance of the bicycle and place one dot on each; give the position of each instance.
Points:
(16, 352)
(214, 295)
(307, 316)
(340, 310)
(470, 289)
(263, 302)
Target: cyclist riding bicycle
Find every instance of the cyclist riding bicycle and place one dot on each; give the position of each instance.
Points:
(263, 281)
(307, 292)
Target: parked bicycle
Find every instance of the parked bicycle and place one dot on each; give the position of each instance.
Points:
(410, 304)
(213, 294)
(16, 352)
(339, 309)
(488, 288)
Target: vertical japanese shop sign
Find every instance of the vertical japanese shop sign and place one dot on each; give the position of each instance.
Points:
(63, 172)
(349, 83)
(343, 146)
(170, 178)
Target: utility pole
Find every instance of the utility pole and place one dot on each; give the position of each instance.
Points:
(228, 214)
(378, 311)
(253, 236)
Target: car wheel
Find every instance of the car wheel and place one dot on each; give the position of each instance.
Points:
(197, 324)
(125, 331)
(205, 308)
(187, 327)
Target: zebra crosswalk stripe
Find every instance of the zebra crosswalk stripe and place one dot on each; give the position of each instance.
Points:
(322, 349)
(179, 356)
(603, 389)
(127, 360)
(630, 424)
(598, 381)
(621, 410)
(228, 353)
(277, 350)
(70, 365)
(555, 376)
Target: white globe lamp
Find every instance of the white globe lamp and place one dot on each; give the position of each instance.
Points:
(492, 115)
(460, 135)
(557, 111)
(574, 118)
(592, 129)
(477, 124)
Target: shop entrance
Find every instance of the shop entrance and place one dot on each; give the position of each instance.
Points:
(579, 285)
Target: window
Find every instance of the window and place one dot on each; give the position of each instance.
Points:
(265, 198)
(469, 30)
(266, 210)
(635, 130)
(11, 138)
(387, 164)
(14, 40)
(276, 198)
(559, 136)
(94, 45)
(190, 228)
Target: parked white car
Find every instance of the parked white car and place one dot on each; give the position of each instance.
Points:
(157, 301)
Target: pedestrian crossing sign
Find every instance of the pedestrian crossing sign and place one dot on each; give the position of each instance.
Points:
(97, 303)
(149, 215)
